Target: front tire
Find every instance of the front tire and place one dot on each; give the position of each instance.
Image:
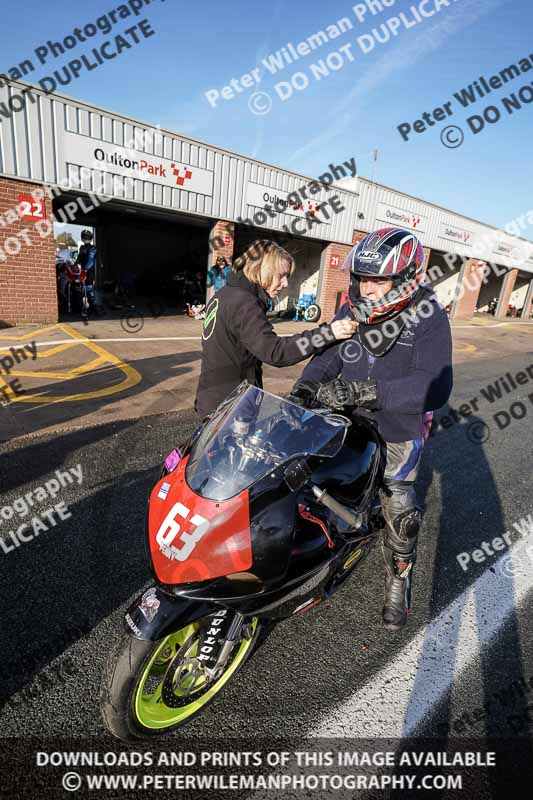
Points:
(140, 694)
(312, 313)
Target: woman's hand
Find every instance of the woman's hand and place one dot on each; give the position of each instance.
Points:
(344, 328)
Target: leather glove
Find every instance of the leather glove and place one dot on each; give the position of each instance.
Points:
(340, 393)
(304, 393)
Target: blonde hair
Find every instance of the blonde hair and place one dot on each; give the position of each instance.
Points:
(262, 262)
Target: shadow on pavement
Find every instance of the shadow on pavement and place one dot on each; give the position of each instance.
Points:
(72, 576)
(470, 513)
(93, 564)
(28, 418)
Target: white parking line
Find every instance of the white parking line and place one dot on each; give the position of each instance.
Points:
(495, 325)
(399, 697)
(132, 338)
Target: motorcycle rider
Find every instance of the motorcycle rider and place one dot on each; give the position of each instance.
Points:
(396, 368)
(87, 261)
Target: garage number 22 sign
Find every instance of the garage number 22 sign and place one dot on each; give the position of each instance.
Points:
(31, 209)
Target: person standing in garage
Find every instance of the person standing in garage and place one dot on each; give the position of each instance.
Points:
(87, 261)
(237, 335)
(217, 276)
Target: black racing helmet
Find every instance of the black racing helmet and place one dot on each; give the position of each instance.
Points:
(86, 235)
(393, 253)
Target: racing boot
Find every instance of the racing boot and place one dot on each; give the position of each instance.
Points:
(398, 577)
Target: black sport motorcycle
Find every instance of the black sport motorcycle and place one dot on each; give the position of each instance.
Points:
(262, 515)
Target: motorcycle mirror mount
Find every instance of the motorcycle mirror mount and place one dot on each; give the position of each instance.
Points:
(297, 474)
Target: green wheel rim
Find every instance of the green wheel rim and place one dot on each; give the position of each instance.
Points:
(149, 706)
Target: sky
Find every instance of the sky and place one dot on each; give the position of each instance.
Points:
(200, 47)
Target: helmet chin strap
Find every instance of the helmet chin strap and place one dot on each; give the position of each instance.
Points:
(362, 311)
(378, 338)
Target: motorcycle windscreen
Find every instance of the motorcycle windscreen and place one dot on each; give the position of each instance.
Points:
(251, 434)
(193, 538)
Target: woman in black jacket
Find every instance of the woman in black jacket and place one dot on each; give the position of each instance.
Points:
(237, 335)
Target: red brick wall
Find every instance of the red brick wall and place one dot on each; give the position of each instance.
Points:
(528, 304)
(27, 278)
(333, 279)
(468, 285)
(506, 291)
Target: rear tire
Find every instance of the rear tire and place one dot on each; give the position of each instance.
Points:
(130, 713)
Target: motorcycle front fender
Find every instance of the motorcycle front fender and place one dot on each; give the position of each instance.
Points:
(156, 614)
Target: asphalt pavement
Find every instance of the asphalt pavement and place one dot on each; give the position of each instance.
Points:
(463, 666)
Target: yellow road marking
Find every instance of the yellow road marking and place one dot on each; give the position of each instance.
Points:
(53, 351)
(31, 334)
(70, 375)
(464, 348)
(132, 376)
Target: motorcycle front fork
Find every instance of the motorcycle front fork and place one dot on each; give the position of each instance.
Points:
(215, 646)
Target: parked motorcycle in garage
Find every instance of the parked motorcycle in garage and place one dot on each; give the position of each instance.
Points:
(72, 289)
(298, 308)
(264, 514)
(306, 308)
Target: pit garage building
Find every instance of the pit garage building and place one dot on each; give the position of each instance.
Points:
(162, 203)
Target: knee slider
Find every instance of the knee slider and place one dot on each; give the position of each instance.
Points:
(407, 524)
(402, 531)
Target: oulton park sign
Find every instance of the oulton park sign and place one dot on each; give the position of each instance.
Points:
(88, 153)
